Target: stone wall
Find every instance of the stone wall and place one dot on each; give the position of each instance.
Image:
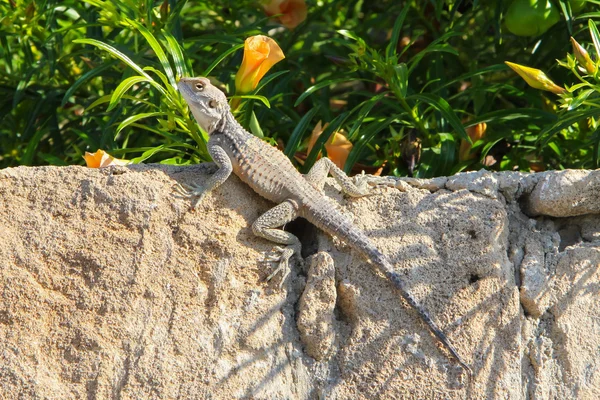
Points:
(111, 287)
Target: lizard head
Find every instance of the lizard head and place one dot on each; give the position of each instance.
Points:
(207, 103)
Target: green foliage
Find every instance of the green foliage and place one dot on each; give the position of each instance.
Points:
(577, 126)
(406, 81)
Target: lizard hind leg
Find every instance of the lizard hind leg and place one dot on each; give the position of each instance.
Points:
(266, 226)
(355, 187)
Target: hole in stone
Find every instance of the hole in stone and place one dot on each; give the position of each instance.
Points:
(473, 278)
(569, 235)
(306, 233)
(472, 233)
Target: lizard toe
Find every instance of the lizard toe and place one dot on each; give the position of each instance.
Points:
(190, 191)
(281, 256)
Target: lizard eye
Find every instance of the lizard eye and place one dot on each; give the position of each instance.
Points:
(212, 104)
(199, 86)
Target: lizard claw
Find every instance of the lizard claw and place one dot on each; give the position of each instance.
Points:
(363, 183)
(193, 191)
(370, 182)
(281, 256)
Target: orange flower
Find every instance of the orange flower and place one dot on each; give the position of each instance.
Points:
(338, 147)
(475, 132)
(260, 54)
(536, 78)
(291, 12)
(101, 159)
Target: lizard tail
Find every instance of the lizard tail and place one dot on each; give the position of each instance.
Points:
(382, 262)
(335, 223)
(399, 284)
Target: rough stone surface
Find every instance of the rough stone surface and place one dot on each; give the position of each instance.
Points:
(578, 195)
(316, 319)
(111, 287)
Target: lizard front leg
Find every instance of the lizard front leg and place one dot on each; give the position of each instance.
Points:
(324, 166)
(199, 190)
(265, 226)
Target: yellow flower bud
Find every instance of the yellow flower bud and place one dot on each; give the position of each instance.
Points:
(583, 58)
(260, 54)
(536, 78)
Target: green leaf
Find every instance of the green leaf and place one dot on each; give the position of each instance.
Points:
(32, 145)
(566, 121)
(157, 48)
(364, 111)
(447, 153)
(211, 39)
(444, 108)
(401, 78)
(298, 132)
(596, 149)
(350, 35)
(263, 99)
(137, 117)
(556, 149)
(567, 13)
(147, 154)
(22, 85)
(83, 78)
(468, 75)
(264, 81)
(439, 48)
(218, 60)
(501, 116)
(122, 88)
(176, 53)
(367, 135)
(115, 53)
(390, 50)
(427, 165)
(580, 98)
(319, 86)
(435, 46)
(595, 36)
(255, 126)
(106, 99)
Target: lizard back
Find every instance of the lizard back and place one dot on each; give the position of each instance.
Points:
(263, 167)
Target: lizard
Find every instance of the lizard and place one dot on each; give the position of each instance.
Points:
(272, 175)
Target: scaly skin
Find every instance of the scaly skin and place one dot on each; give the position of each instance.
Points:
(271, 174)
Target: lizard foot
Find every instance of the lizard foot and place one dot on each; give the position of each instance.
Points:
(362, 183)
(195, 191)
(281, 256)
(367, 183)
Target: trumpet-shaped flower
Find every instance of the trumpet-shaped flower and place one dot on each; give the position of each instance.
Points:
(101, 159)
(291, 12)
(536, 78)
(260, 54)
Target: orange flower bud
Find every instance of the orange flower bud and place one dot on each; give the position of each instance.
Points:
(293, 12)
(101, 159)
(338, 147)
(260, 54)
(536, 78)
(475, 132)
(583, 58)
